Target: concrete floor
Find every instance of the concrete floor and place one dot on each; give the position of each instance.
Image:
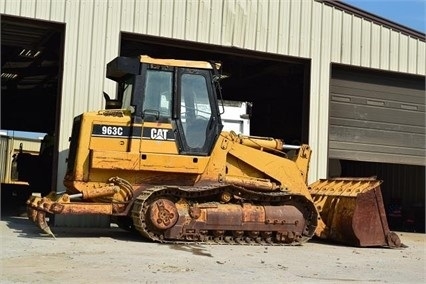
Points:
(111, 255)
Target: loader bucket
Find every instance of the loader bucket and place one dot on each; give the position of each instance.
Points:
(353, 212)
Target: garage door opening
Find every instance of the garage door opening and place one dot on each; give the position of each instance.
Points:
(377, 128)
(32, 56)
(277, 86)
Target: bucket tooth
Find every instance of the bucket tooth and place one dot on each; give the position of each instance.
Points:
(42, 223)
(32, 214)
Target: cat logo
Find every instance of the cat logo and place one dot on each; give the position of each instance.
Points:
(159, 134)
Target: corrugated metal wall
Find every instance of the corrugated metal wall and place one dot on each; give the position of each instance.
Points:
(308, 29)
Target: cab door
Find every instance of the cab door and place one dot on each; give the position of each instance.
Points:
(198, 122)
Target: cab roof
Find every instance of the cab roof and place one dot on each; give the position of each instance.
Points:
(178, 63)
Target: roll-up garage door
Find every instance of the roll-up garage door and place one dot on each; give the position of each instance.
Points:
(377, 116)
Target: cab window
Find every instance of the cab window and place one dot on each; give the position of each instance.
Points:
(195, 109)
(158, 94)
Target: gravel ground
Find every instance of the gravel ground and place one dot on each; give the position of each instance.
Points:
(111, 255)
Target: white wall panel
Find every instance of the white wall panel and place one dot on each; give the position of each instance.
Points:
(42, 10)
(421, 60)
(403, 54)
(384, 48)
(346, 39)
(12, 7)
(28, 9)
(191, 20)
(127, 15)
(241, 21)
(140, 21)
(97, 56)
(216, 20)
(112, 39)
(166, 24)
(305, 28)
(294, 42)
(326, 34)
(262, 26)
(57, 9)
(204, 19)
(323, 72)
(154, 17)
(271, 43)
(251, 27)
(83, 58)
(336, 43)
(284, 27)
(375, 47)
(394, 51)
(356, 41)
(228, 13)
(315, 95)
(412, 60)
(68, 81)
(365, 43)
(179, 8)
(68, 86)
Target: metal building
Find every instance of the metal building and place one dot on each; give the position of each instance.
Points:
(347, 82)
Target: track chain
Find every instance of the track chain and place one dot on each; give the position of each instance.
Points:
(142, 203)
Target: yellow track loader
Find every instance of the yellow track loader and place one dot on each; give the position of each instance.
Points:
(157, 161)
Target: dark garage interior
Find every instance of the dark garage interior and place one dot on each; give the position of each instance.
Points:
(31, 60)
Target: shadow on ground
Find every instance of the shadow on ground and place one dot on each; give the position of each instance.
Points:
(25, 228)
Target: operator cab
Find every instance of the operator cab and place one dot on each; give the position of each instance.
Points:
(179, 92)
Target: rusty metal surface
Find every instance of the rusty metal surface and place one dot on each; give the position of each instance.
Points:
(163, 214)
(203, 216)
(353, 212)
(38, 216)
(38, 207)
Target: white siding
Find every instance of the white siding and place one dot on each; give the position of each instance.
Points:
(241, 22)
(262, 26)
(273, 16)
(251, 30)
(294, 31)
(307, 29)
(385, 48)
(28, 9)
(374, 44)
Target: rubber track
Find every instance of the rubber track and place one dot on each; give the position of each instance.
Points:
(142, 202)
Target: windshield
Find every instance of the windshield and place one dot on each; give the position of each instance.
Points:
(158, 93)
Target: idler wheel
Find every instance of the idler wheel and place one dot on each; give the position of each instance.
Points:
(163, 214)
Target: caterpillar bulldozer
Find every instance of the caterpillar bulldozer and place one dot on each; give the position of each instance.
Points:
(157, 161)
